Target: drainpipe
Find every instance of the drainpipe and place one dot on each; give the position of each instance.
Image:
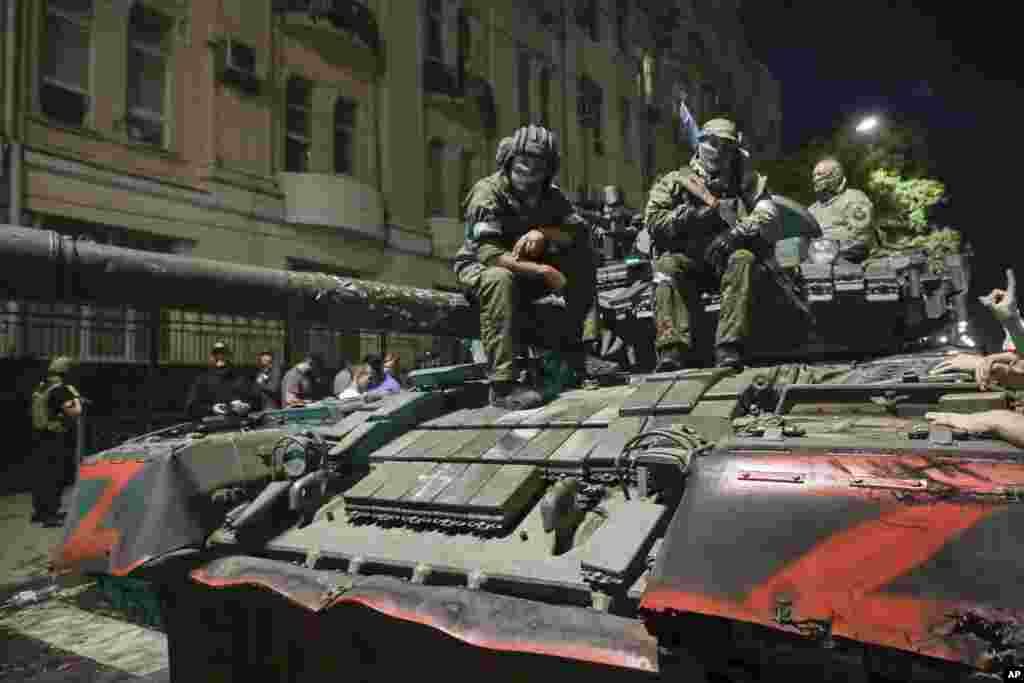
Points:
(16, 152)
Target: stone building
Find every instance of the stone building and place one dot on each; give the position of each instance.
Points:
(338, 136)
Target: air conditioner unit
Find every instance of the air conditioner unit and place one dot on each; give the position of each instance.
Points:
(238, 65)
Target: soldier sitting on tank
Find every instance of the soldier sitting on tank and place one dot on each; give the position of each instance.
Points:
(706, 220)
(616, 229)
(525, 241)
(844, 213)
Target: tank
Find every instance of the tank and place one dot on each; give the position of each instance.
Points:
(796, 518)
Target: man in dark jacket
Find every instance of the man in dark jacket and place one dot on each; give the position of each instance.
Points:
(221, 390)
(268, 381)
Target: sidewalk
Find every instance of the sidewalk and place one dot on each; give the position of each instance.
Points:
(25, 558)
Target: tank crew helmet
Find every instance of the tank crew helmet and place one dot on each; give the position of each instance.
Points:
(829, 178)
(536, 141)
(717, 144)
(504, 152)
(613, 195)
(61, 365)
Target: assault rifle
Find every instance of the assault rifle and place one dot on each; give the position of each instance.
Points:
(767, 262)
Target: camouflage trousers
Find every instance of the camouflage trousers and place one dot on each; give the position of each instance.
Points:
(678, 280)
(508, 318)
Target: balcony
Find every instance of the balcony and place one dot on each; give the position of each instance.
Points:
(345, 15)
(335, 201)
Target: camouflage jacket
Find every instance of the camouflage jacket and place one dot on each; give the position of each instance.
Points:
(495, 218)
(672, 210)
(847, 217)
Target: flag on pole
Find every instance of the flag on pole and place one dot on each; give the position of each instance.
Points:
(688, 124)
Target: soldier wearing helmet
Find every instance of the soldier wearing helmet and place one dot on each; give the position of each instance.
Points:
(524, 241)
(844, 213)
(706, 221)
(56, 405)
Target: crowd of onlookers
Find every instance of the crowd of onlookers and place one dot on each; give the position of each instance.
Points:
(224, 389)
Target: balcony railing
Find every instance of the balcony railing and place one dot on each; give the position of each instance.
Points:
(345, 15)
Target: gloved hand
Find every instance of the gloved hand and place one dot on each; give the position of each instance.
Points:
(220, 409)
(240, 407)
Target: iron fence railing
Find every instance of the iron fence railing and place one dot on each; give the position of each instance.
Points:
(123, 334)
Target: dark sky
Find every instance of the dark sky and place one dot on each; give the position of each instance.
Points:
(953, 71)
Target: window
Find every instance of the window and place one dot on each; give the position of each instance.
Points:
(622, 24)
(545, 96)
(700, 50)
(344, 135)
(523, 85)
(435, 180)
(598, 120)
(147, 75)
(434, 43)
(709, 101)
(297, 134)
(626, 124)
(586, 17)
(64, 82)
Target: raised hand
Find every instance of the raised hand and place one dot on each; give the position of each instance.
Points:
(1003, 303)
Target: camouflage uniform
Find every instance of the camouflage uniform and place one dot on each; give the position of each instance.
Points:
(683, 229)
(845, 215)
(495, 219)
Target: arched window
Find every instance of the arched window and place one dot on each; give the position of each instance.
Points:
(297, 129)
(435, 178)
(344, 135)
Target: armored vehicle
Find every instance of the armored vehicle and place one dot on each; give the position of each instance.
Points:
(790, 519)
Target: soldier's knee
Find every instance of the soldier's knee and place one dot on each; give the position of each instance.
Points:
(497, 278)
(741, 257)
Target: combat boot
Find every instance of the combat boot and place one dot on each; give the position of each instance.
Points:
(671, 358)
(587, 367)
(729, 356)
(514, 396)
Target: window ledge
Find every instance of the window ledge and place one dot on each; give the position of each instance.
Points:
(103, 136)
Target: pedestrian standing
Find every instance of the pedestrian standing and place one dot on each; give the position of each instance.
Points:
(268, 381)
(56, 406)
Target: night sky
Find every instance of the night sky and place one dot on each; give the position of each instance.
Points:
(952, 71)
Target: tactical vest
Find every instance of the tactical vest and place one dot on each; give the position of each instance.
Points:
(42, 419)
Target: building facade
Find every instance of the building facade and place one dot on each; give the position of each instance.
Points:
(338, 136)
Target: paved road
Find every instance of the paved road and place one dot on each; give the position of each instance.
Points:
(77, 636)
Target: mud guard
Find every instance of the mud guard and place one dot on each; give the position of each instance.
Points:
(481, 619)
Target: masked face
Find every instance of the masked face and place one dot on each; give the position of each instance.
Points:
(528, 172)
(717, 154)
(828, 180)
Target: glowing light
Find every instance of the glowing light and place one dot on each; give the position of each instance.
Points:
(868, 124)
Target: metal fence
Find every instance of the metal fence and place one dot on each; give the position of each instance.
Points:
(123, 334)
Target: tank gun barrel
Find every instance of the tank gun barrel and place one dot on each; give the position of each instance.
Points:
(45, 265)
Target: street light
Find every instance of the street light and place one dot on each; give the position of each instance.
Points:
(868, 124)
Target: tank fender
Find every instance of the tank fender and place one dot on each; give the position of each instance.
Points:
(476, 617)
